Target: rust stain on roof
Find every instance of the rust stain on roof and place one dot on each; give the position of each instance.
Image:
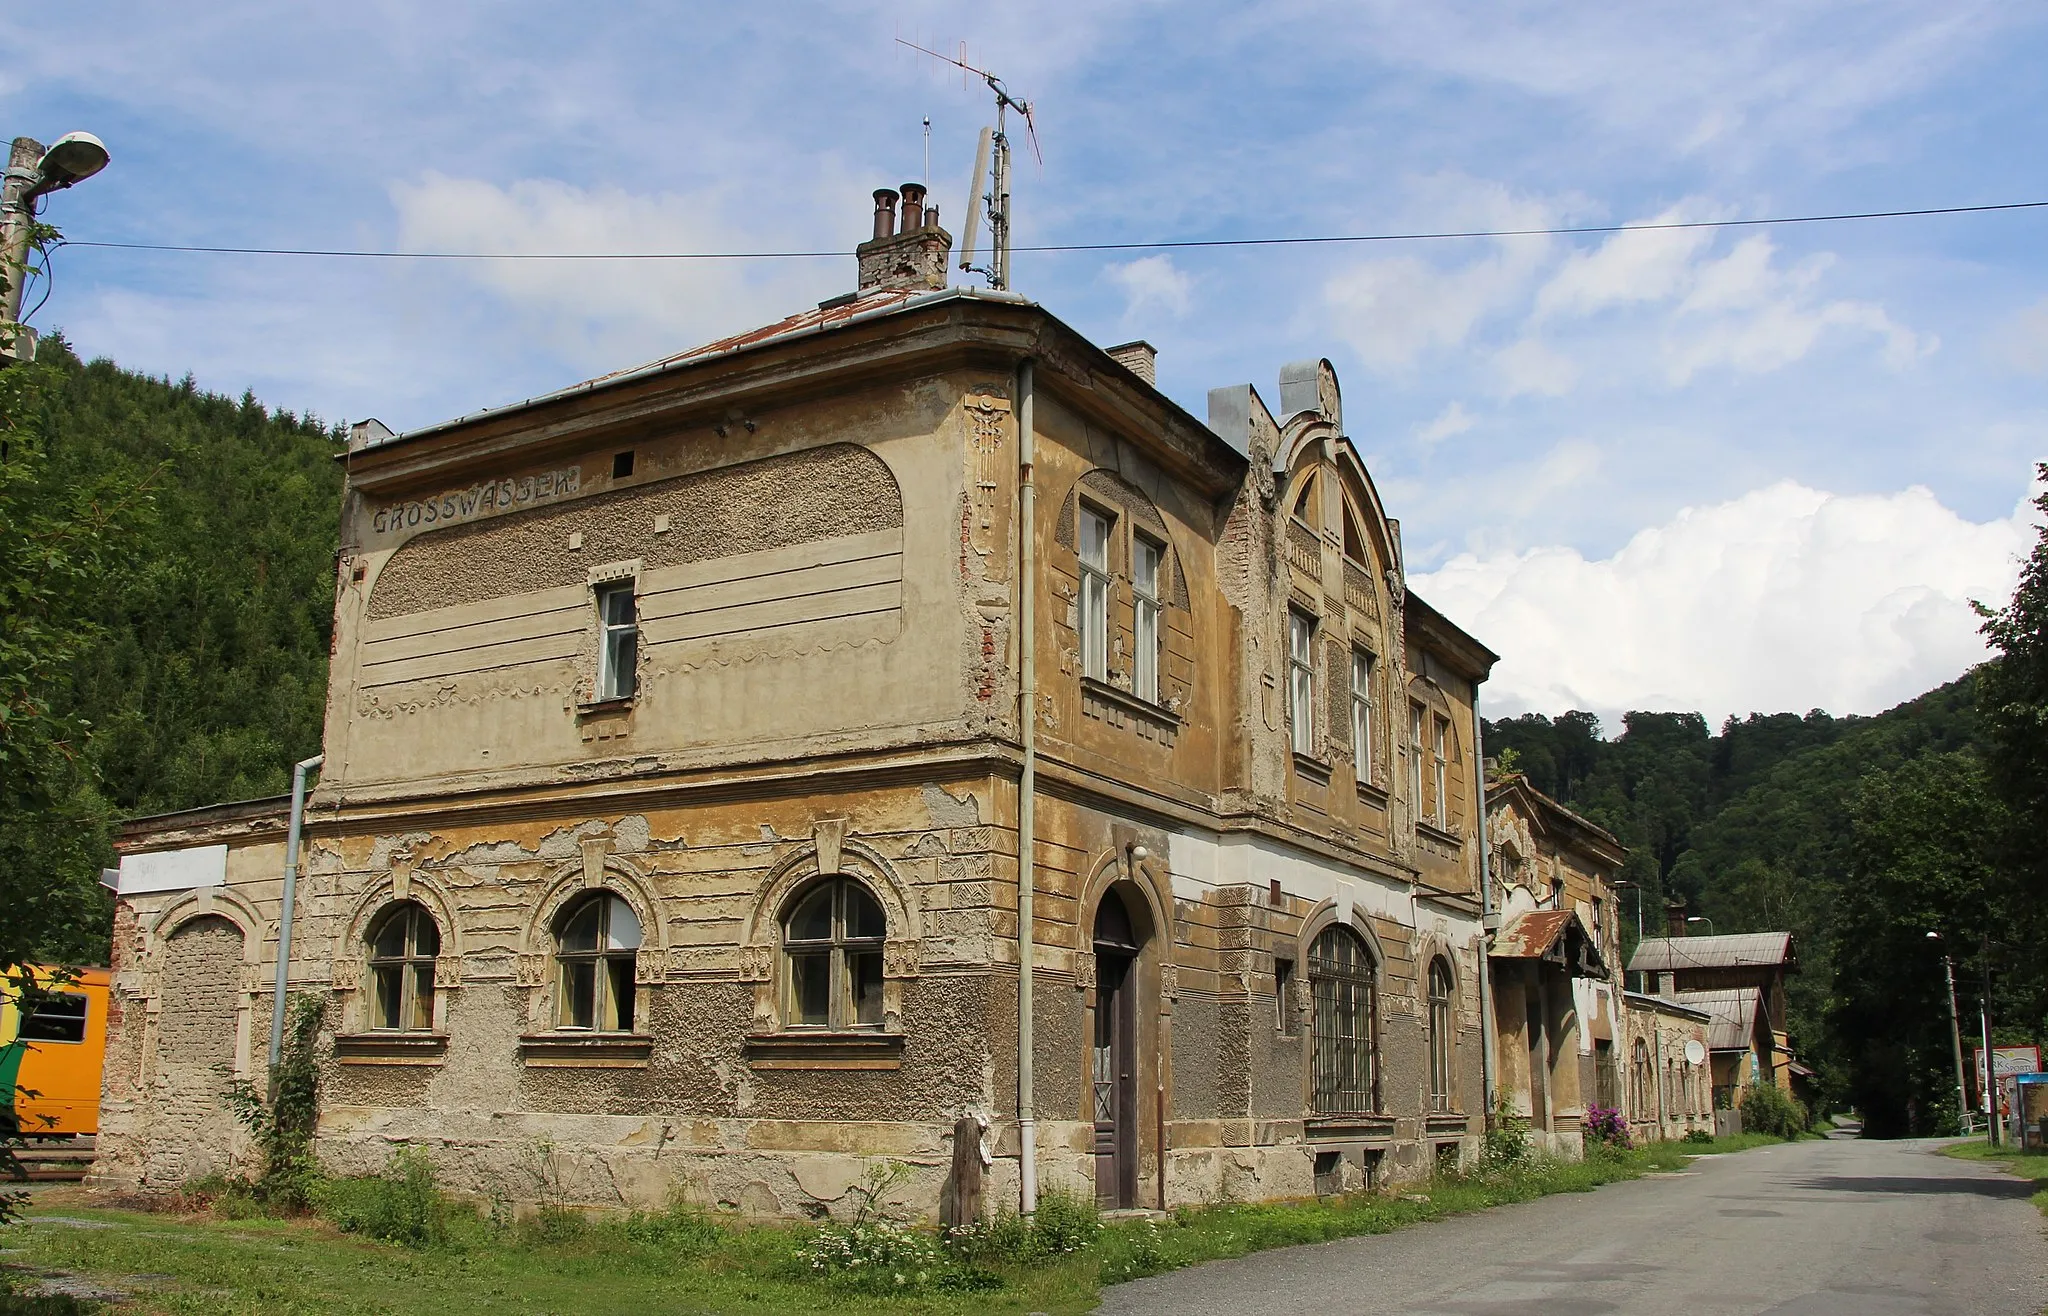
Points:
(1532, 935)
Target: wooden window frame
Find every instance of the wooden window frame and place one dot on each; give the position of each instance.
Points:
(410, 970)
(1301, 682)
(1363, 672)
(618, 640)
(1344, 1053)
(604, 962)
(841, 948)
(1442, 1038)
(1440, 771)
(1148, 615)
(1096, 591)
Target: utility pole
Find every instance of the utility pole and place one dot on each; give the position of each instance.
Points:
(1955, 1034)
(32, 172)
(17, 217)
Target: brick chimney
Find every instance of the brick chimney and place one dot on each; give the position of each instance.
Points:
(912, 253)
(1674, 918)
(1140, 358)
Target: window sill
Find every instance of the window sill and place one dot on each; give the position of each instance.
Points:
(1348, 1128)
(1105, 702)
(390, 1048)
(1315, 769)
(1440, 834)
(586, 1050)
(824, 1050)
(1447, 1121)
(1376, 796)
(601, 707)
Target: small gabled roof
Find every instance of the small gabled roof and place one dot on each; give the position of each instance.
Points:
(1731, 1014)
(1556, 935)
(1735, 950)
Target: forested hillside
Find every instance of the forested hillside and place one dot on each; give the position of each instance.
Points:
(168, 577)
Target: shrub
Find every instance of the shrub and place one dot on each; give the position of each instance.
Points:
(1697, 1137)
(402, 1205)
(1063, 1223)
(1507, 1141)
(1605, 1124)
(1767, 1109)
(678, 1228)
(283, 1124)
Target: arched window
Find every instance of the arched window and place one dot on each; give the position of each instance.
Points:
(832, 956)
(599, 935)
(403, 944)
(1440, 1035)
(1346, 1054)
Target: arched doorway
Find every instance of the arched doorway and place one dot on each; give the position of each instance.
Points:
(1114, 1059)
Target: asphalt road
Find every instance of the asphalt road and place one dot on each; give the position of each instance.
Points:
(1838, 1228)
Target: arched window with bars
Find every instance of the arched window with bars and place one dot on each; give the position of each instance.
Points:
(1345, 1050)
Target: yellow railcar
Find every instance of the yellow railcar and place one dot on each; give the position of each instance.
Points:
(50, 1059)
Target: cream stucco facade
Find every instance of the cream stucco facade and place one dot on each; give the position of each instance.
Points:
(1255, 863)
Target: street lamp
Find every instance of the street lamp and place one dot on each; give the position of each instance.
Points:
(1701, 918)
(1955, 1035)
(34, 171)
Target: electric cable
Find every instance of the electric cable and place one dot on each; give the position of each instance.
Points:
(1171, 244)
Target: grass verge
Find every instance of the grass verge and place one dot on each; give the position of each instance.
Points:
(2026, 1164)
(202, 1265)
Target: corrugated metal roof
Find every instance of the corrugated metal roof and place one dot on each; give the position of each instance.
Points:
(1732, 1015)
(1532, 935)
(1735, 950)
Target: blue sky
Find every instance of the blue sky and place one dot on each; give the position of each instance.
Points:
(1749, 469)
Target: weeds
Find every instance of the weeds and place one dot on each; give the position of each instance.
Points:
(403, 1205)
(283, 1124)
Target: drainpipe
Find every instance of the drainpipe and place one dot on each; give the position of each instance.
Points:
(1489, 922)
(284, 921)
(1027, 786)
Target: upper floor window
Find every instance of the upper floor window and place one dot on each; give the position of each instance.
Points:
(597, 945)
(1301, 681)
(1441, 1036)
(1345, 1059)
(832, 954)
(1094, 594)
(1440, 777)
(1361, 713)
(1415, 750)
(618, 649)
(1147, 560)
(403, 944)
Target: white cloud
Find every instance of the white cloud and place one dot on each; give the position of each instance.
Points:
(1645, 265)
(1451, 421)
(2022, 340)
(1152, 283)
(600, 313)
(1532, 367)
(1784, 598)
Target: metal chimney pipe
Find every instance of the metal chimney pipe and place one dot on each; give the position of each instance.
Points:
(931, 216)
(913, 207)
(885, 213)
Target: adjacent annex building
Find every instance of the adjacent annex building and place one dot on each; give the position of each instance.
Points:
(682, 730)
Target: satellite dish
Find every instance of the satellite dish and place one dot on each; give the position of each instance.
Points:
(1694, 1052)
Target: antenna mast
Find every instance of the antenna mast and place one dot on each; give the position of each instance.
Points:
(997, 151)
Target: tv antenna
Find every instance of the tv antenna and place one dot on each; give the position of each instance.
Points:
(991, 160)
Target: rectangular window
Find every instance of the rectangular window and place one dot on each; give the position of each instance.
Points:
(1094, 594)
(1361, 714)
(60, 1017)
(618, 654)
(1301, 682)
(1146, 560)
(1415, 758)
(1440, 775)
(1283, 996)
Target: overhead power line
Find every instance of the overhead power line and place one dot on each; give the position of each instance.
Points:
(1170, 244)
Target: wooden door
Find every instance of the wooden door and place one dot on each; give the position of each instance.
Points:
(1115, 1081)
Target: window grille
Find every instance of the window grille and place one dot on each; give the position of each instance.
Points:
(1345, 1064)
(1441, 1036)
(1094, 594)
(1301, 682)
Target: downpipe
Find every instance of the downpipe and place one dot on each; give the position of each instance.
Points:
(284, 921)
(1027, 787)
(1489, 923)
